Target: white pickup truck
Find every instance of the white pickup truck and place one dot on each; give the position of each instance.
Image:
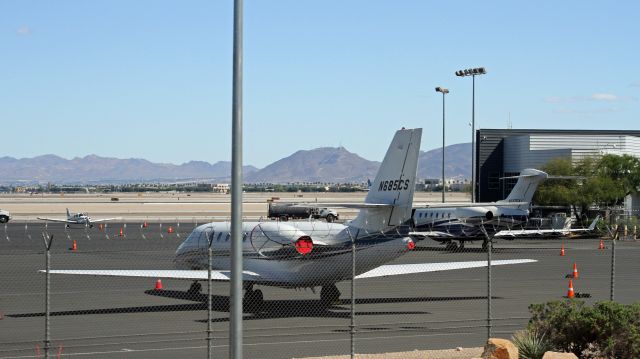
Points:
(4, 216)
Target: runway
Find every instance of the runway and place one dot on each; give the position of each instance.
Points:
(125, 317)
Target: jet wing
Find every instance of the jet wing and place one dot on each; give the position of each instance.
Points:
(398, 269)
(430, 234)
(216, 275)
(57, 220)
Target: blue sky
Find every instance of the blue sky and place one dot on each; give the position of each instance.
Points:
(152, 79)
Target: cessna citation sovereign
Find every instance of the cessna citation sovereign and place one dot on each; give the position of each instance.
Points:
(314, 254)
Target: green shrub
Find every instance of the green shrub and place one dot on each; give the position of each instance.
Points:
(531, 344)
(608, 328)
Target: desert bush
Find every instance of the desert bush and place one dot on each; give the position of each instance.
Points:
(608, 328)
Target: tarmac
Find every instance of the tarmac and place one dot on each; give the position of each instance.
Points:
(125, 317)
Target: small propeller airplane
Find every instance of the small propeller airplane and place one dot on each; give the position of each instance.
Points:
(77, 218)
(312, 254)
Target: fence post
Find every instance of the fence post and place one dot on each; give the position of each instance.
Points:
(209, 309)
(352, 325)
(489, 249)
(48, 240)
(613, 266)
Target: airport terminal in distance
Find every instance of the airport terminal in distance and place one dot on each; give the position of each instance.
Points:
(130, 278)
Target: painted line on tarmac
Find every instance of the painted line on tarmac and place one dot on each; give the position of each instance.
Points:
(127, 350)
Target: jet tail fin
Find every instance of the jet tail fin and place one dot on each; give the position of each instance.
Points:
(527, 184)
(593, 224)
(68, 213)
(394, 184)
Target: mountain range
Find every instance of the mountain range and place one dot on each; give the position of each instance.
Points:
(325, 164)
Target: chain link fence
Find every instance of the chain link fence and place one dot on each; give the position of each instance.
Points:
(114, 316)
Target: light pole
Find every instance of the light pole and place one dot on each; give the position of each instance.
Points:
(473, 72)
(444, 91)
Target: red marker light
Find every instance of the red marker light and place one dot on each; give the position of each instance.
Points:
(304, 245)
(411, 245)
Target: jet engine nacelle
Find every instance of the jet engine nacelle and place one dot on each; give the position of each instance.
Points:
(275, 239)
(488, 215)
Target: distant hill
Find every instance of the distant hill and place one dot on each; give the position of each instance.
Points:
(326, 164)
(457, 159)
(96, 169)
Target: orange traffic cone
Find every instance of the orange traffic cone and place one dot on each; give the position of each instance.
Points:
(170, 230)
(100, 226)
(575, 271)
(121, 232)
(562, 251)
(570, 293)
(74, 246)
(601, 246)
(158, 285)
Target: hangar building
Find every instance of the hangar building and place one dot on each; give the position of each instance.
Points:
(505, 152)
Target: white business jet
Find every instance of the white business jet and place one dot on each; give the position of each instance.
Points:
(314, 254)
(77, 218)
(463, 223)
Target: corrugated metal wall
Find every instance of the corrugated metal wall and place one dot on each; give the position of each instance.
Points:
(526, 148)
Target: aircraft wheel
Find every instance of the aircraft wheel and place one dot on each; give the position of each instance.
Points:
(253, 300)
(329, 294)
(195, 288)
(330, 218)
(4, 219)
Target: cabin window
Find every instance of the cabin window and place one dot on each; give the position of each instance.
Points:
(219, 236)
(431, 215)
(437, 215)
(420, 215)
(227, 237)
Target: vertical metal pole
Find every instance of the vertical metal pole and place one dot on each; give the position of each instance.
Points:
(489, 294)
(47, 339)
(613, 267)
(235, 335)
(209, 313)
(443, 184)
(352, 326)
(473, 138)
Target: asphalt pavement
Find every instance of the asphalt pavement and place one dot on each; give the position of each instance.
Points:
(125, 317)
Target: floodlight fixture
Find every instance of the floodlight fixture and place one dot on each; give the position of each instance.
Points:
(473, 72)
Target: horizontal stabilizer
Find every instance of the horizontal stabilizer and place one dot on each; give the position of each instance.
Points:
(398, 269)
(468, 204)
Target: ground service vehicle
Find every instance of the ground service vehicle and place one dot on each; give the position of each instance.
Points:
(286, 211)
(4, 216)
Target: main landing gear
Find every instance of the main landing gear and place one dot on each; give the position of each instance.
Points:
(453, 246)
(253, 299)
(329, 294)
(195, 288)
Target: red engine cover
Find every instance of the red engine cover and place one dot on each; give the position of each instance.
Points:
(304, 245)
